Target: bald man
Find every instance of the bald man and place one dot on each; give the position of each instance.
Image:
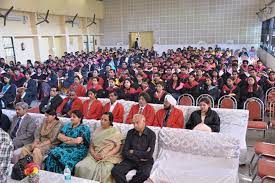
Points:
(137, 152)
(169, 116)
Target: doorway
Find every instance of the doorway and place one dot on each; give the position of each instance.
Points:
(145, 39)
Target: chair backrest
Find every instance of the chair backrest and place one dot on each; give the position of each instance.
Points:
(186, 99)
(227, 102)
(255, 107)
(269, 95)
(205, 96)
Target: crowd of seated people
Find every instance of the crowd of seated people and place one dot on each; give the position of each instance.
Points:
(137, 75)
(130, 72)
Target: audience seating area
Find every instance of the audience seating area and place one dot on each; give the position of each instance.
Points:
(220, 150)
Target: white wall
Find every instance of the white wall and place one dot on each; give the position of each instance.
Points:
(178, 22)
(45, 48)
(28, 53)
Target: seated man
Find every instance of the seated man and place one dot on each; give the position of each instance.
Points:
(69, 104)
(137, 152)
(51, 102)
(22, 127)
(142, 108)
(169, 116)
(6, 148)
(114, 107)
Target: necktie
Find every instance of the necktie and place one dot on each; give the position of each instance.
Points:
(140, 110)
(166, 118)
(13, 134)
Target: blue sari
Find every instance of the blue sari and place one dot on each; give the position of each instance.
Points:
(65, 154)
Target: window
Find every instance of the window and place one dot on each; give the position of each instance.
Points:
(9, 48)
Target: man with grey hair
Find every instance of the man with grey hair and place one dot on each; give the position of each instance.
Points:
(23, 126)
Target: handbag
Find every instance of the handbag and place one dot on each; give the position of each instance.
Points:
(18, 169)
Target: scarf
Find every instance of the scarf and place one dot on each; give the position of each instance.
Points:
(189, 85)
(228, 90)
(159, 96)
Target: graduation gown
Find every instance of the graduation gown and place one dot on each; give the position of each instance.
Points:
(76, 105)
(118, 111)
(79, 89)
(175, 119)
(148, 112)
(94, 111)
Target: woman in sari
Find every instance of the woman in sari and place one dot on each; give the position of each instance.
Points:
(45, 138)
(103, 154)
(75, 138)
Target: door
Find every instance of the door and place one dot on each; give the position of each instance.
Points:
(145, 39)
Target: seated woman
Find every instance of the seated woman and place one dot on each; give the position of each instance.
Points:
(75, 138)
(8, 93)
(78, 87)
(127, 91)
(104, 152)
(174, 86)
(96, 87)
(230, 89)
(92, 108)
(216, 79)
(31, 89)
(192, 86)
(159, 94)
(45, 138)
(252, 89)
(209, 88)
(204, 119)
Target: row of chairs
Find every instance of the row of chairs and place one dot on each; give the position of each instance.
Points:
(226, 101)
(265, 162)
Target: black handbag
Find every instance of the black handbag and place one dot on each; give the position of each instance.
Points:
(18, 169)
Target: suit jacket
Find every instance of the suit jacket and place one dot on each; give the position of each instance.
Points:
(175, 119)
(148, 112)
(25, 133)
(95, 110)
(118, 111)
(76, 105)
(54, 103)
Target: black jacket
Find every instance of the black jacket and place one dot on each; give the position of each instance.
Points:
(54, 103)
(4, 122)
(212, 120)
(9, 96)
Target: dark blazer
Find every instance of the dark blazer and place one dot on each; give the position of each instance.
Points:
(31, 92)
(54, 103)
(25, 133)
(9, 96)
(4, 122)
(212, 120)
